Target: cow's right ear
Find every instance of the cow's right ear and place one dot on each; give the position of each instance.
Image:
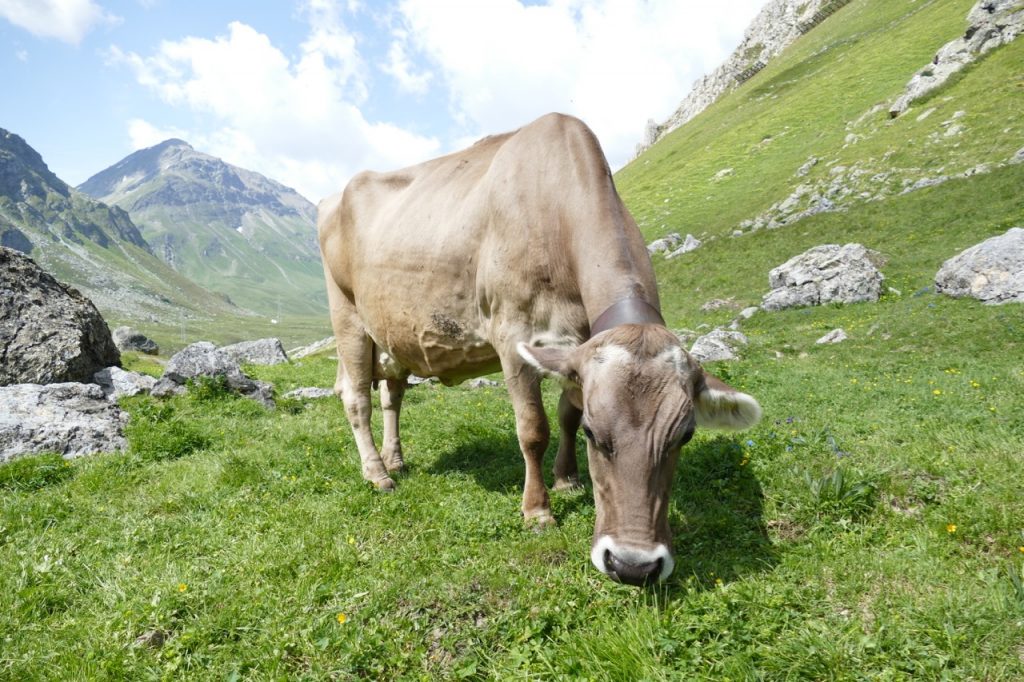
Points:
(720, 406)
(551, 361)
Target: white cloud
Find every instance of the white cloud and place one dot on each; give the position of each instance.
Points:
(614, 63)
(65, 20)
(296, 120)
(22, 55)
(399, 67)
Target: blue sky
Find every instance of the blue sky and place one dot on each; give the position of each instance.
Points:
(309, 92)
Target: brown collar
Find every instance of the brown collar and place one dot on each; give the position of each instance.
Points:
(626, 311)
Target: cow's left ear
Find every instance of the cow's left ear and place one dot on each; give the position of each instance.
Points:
(720, 406)
(551, 361)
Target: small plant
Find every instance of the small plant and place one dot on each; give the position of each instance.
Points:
(34, 473)
(1016, 576)
(210, 389)
(835, 494)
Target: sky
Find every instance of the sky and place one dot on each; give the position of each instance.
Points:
(310, 92)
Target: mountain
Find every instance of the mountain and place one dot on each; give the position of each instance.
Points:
(231, 230)
(95, 247)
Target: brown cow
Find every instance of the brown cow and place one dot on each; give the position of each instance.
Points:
(517, 254)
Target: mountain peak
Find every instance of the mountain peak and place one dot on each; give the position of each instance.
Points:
(168, 144)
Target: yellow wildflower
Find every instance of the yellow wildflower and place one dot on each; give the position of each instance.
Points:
(950, 528)
(182, 587)
(342, 618)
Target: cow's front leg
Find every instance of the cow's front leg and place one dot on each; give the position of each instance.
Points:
(566, 473)
(391, 393)
(534, 433)
(353, 385)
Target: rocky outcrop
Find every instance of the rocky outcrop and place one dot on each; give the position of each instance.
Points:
(314, 347)
(118, 383)
(309, 393)
(203, 359)
(990, 23)
(689, 244)
(772, 31)
(131, 340)
(992, 271)
(664, 244)
(825, 274)
(258, 352)
(71, 419)
(718, 345)
(834, 336)
(49, 332)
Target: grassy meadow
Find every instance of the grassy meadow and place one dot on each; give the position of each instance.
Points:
(870, 528)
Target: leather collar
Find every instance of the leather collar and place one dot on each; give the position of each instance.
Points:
(627, 311)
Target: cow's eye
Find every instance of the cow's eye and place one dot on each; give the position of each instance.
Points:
(687, 436)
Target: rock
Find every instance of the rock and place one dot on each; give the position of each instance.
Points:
(825, 274)
(665, 244)
(992, 271)
(990, 23)
(117, 383)
(70, 418)
(722, 174)
(127, 339)
(49, 332)
(309, 393)
(834, 336)
(481, 382)
(717, 345)
(1018, 157)
(718, 304)
(314, 347)
(258, 352)
(689, 244)
(748, 313)
(807, 166)
(203, 359)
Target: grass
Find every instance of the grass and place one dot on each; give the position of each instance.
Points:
(871, 527)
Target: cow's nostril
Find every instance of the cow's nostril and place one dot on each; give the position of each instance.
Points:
(608, 561)
(642, 573)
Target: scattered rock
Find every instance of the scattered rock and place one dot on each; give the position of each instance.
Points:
(309, 393)
(127, 339)
(718, 304)
(665, 244)
(481, 382)
(414, 380)
(717, 345)
(722, 174)
(203, 359)
(991, 23)
(1018, 157)
(258, 352)
(807, 166)
(689, 244)
(70, 418)
(834, 336)
(825, 274)
(314, 347)
(117, 383)
(992, 271)
(49, 332)
(748, 313)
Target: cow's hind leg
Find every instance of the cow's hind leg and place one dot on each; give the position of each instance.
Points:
(534, 433)
(566, 474)
(391, 393)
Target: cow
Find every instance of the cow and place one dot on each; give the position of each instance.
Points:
(518, 255)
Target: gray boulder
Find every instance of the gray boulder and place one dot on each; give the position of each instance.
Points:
(127, 339)
(72, 419)
(825, 274)
(258, 352)
(203, 359)
(689, 244)
(314, 347)
(992, 271)
(309, 393)
(834, 336)
(49, 332)
(665, 244)
(718, 345)
(117, 383)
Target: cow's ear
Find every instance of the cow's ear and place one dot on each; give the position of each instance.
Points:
(551, 361)
(720, 406)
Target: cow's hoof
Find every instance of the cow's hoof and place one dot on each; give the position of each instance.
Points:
(385, 485)
(394, 467)
(570, 483)
(539, 521)
(393, 460)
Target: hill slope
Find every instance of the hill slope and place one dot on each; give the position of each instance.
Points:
(232, 230)
(95, 247)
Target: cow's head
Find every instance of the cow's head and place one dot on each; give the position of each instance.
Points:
(642, 396)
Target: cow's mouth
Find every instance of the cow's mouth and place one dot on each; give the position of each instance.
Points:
(641, 575)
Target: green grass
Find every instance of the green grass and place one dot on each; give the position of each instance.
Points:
(871, 527)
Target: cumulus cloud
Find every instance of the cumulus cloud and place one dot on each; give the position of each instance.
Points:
(295, 119)
(65, 20)
(614, 63)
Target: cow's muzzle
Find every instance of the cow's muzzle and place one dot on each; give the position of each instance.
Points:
(631, 565)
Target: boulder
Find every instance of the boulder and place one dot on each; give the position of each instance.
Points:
(70, 418)
(825, 274)
(117, 383)
(314, 347)
(309, 393)
(834, 336)
(258, 352)
(127, 339)
(689, 244)
(49, 332)
(719, 344)
(992, 271)
(481, 382)
(203, 359)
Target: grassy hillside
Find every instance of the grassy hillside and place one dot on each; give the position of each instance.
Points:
(871, 527)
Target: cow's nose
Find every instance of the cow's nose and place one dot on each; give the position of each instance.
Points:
(632, 574)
